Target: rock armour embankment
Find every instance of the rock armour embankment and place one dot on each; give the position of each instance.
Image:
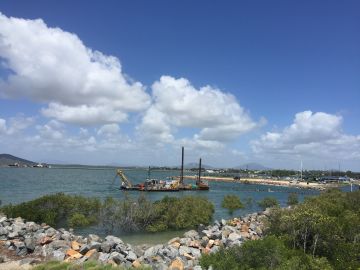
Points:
(29, 243)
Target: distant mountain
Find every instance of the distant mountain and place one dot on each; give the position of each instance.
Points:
(192, 165)
(252, 166)
(6, 160)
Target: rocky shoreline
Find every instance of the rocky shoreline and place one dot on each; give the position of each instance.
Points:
(27, 243)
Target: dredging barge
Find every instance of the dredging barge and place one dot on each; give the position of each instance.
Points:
(156, 185)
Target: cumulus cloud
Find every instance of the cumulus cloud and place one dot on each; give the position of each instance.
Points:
(15, 125)
(217, 116)
(311, 135)
(109, 129)
(50, 65)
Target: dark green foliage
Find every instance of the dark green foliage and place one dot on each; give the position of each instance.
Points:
(166, 214)
(267, 253)
(181, 213)
(268, 202)
(126, 215)
(292, 199)
(60, 210)
(232, 203)
(327, 226)
(57, 210)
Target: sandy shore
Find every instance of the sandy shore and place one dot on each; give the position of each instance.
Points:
(259, 181)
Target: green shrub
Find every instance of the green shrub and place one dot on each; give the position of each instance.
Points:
(60, 210)
(292, 199)
(127, 215)
(324, 226)
(268, 202)
(181, 213)
(267, 253)
(232, 203)
(57, 210)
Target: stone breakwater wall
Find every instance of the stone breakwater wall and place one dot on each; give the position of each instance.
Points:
(29, 243)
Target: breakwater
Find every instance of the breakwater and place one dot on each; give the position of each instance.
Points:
(27, 243)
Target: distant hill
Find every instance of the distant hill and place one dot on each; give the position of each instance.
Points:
(252, 166)
(6, 160)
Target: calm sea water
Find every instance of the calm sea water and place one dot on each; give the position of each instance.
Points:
(23, 184)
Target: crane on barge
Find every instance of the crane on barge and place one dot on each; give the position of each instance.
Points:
(162, 185)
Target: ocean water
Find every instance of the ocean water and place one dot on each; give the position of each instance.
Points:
(23, 184)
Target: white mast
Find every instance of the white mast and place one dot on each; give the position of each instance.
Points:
(301, 170)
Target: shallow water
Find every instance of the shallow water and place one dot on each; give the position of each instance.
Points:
(23, 184)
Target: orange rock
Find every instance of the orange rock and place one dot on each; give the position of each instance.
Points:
(90, 253)
(244, 228)
(136, 264)
(75, 245)
(175, 244)
(176, 264)
(73, 254)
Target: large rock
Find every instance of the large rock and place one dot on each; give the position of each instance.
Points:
(3, 231)
(131, 256)
(73, 254)
(92, 254)
(66, 236)
(12, 235)
(103, 257)
(117, 257)
(95, 245)
(234, 236)
(195, 252)
(177, 264)
(183, 250)
(59, 244)
(192, 234)
(93, 238)
(152, 251)
(113, 239)
(84, 249)
(185, 241)
(30, 243)
(75, 245)
(21, 249)
(215, 235)
(32, 226)
(58, 255)
(50, 232)
(168, 252)
(106, 246)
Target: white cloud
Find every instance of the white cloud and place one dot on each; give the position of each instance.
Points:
(109, 129)
(53, 130)
(2, 126)
(216, 115)
(54, 66)
(311, 134)
(15, 125)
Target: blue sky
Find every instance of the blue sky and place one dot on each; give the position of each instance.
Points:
(267, 64)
